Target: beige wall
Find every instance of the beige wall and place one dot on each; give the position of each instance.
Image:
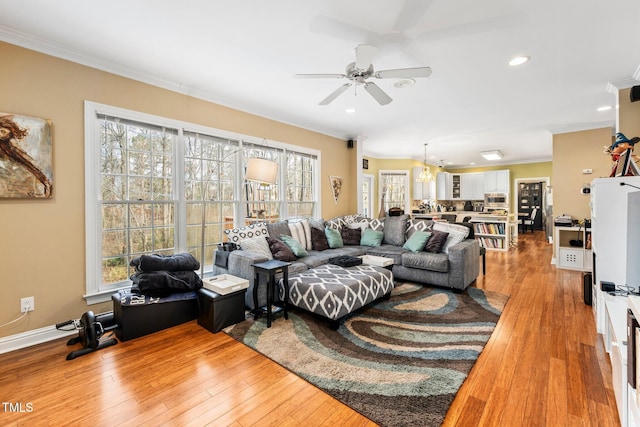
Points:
(628, 116)
(573, 152)
(42, 242)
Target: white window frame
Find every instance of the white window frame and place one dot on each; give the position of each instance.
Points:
(407, 194)
(96, 292)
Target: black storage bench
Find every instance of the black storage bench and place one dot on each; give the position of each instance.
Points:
(137, 314)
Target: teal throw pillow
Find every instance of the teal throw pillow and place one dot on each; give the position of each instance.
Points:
(417, 241)
(333, 237)
(371, 237)
(295, 246)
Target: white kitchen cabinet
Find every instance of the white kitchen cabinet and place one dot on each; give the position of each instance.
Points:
(443, 186)
(496, 181)
(472, 186)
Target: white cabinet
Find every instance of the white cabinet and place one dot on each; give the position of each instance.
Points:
(460, 186)
(573, 257)
(422, 190)
(443, 186)
(472, 186)
(615, 342)
(615, 210)
(496, 181)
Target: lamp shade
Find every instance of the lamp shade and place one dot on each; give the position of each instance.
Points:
(261, 170)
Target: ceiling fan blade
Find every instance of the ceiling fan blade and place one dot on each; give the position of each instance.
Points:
(404, 73)
(319, 76)
(377, 93)
(364, 56)
(411, 13)
(336, 93)
(327, 26)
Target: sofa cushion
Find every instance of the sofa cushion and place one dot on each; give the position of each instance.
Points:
(258, 229)
(457, 233)
(388, 251)
(301, 231)
(280, 250)
(417, 241)
(295, 246)
(350, 236)
(339, 222)
(436, 241)
(277, 229)
(319, 240)
(414, 225)
(320, 224)
(371, 237)
(426, 261)
(375, 223)
(333, 237)
(257, 245)
(394, 230)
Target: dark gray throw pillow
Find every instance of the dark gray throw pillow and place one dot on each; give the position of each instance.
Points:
(350, 236)
(279, 250)
(436, 241)
(319, 240)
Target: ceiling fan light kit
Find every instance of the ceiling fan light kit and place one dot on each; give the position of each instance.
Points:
(362, 69)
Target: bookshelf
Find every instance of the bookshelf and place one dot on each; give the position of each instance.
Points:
(492, 232)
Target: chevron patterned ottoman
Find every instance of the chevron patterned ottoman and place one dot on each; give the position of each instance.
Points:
(333, 292)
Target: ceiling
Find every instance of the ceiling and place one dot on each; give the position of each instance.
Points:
(244, 53)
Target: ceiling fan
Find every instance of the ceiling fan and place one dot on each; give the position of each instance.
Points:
(362, 69)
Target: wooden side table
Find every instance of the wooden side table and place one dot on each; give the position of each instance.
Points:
(269, 269)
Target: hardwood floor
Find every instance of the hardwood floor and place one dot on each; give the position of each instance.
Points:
(544, 365)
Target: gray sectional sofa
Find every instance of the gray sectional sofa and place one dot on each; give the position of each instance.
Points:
(455, 267)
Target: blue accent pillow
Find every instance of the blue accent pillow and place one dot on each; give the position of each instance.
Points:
(417, 241)
(371, 237)
(295, 246)
(334, 238)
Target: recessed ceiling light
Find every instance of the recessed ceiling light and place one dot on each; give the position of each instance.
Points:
(605, 108)
(449, 163)
(472, 163)
(350, 110)
(519, 60)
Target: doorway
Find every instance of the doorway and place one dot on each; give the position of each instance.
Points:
(532, 193)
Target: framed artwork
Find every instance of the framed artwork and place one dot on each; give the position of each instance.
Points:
(365, 163)
(336, 187)
(26, 157)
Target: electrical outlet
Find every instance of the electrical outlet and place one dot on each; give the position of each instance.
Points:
(27, 304)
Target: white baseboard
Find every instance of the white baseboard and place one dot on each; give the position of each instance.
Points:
(33, 337)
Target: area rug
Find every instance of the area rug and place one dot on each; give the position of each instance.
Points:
(399, 362)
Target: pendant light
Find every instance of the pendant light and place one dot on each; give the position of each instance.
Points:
(425, 175)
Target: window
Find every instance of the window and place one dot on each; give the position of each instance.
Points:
(156, 185)
(394, 189)
(209, 191)
(300, 185)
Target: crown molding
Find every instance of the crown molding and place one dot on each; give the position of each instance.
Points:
(618, 85)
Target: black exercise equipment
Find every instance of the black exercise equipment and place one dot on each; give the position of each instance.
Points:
(90, 329)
